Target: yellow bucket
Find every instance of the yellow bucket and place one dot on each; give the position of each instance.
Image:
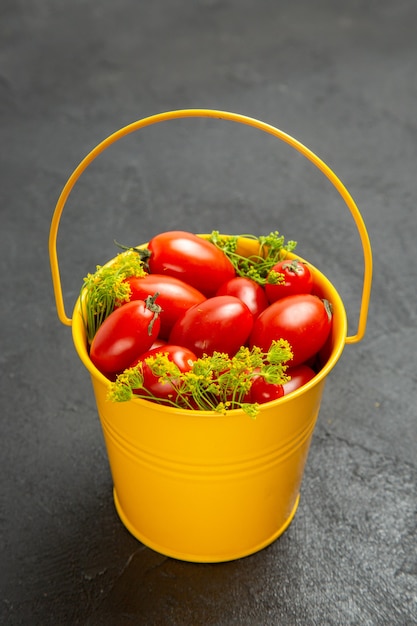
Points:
(196, 485)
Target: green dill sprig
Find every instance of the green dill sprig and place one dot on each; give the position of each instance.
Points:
(216, 383)
(106, 288)
(272, 249)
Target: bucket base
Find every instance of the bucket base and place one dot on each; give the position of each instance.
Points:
(201, 558)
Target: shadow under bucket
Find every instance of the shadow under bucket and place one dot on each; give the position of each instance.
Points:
(200, 486)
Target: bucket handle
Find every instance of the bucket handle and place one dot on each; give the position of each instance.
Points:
(234, 117)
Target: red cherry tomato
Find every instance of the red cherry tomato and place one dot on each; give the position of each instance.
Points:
(174, 297)
(303, 320)
(300, 375)
(190, 258)
(221, 323)
(251, 293)
(297, 278)
(261, 391)
(127, 332)
(183, 359)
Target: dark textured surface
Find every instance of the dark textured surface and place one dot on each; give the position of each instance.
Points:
(342, 78)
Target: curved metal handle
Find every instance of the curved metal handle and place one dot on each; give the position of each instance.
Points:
(234, 117)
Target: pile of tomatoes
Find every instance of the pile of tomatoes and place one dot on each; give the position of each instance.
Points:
(192, 302)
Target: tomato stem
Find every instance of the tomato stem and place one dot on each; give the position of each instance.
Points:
(154, 308)
(328, 307)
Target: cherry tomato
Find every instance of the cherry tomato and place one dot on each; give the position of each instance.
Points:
(251, 293)
(297, 278)
(221, 323)
(174, 297)
(127, 332)
(190, 258)
(300, 375)
(183, 359)
(303, 320)
(261, 391)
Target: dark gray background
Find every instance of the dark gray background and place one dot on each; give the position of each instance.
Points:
(342, 78)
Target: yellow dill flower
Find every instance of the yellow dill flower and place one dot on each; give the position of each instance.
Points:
(161, 366)
(122, 388)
